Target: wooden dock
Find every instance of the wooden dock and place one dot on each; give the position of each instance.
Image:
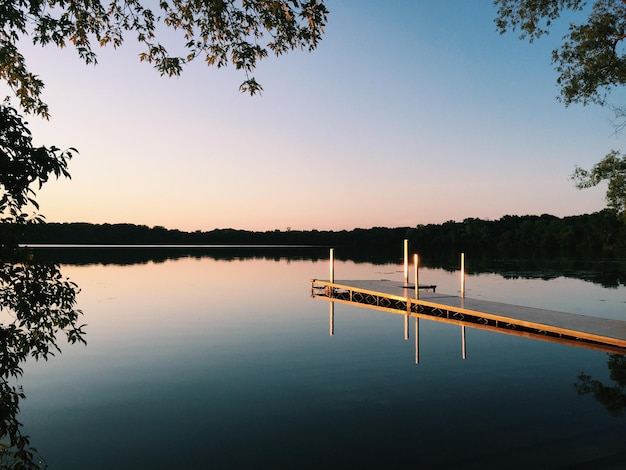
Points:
(546, 325)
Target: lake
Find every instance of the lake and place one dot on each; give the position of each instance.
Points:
(227, 362)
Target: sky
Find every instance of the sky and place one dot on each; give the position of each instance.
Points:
(408, 112)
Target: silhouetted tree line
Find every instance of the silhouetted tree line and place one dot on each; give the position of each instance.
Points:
(373, 240)
(587, 247)
(600, 234)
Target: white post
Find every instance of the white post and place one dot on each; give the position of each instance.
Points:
(332, 265)
(462, 274)
(416, 275)
(332, 318)
(406, 263)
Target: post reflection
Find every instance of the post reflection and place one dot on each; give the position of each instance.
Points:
(417, 340)
(568, 337)
(611, 349)
(464, 349)
(406, 328)
(406, 332)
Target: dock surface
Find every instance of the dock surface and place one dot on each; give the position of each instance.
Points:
(609, 335)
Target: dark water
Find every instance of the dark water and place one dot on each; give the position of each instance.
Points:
(228, 363)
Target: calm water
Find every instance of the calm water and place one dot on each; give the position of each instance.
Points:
(205, 363)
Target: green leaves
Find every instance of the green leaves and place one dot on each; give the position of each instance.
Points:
(221, 32)
(592, 59)
(42, 305)
(26, 86)
(36, 303)
(591, 64)
(15, 450)
(611, 169)
(22, 165)
(532, 17)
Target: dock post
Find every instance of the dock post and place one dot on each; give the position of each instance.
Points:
(416, 275)
(332, 318)
(330, 290)
(462, 274)
(406, 262)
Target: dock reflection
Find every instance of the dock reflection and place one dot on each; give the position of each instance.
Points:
(540, 336)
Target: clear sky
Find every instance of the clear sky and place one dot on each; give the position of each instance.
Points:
(409, 112)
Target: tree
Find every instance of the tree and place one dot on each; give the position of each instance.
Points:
(36, 302)
(591, 63)
(218, 31)
(22, 165)
(611, 168)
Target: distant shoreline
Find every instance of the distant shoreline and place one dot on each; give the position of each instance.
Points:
(600, 234)
(158, 245)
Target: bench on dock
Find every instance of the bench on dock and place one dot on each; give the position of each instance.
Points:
(431, 287)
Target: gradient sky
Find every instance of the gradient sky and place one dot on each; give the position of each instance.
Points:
(408, 113)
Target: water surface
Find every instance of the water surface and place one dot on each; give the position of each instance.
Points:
(213, 363)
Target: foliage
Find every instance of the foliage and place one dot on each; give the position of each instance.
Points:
(591, 63)
(22, 165)
(611, 168)
(218, 31)
(592, 59)
(40, 303)
(36, 303)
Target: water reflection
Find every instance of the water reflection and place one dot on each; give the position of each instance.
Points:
(406, 332)
(613, 397)
(240, 366)
(36, 311)
(462, 320)
(605, 272)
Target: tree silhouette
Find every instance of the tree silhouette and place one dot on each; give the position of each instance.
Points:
(613, 397)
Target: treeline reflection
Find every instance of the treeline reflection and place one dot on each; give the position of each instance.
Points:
(604, 271)
(612, 396)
